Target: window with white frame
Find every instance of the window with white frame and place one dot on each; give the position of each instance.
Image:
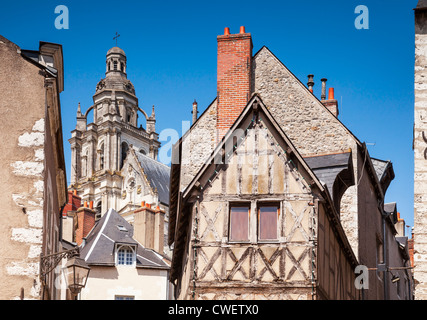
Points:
(124, 297)
(125, 256)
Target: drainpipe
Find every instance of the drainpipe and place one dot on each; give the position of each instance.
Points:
(385, 256)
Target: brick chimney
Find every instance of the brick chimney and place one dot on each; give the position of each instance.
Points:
(84, 221)
(331, 103)
(74, 202)
(149, 227)
(233, 77)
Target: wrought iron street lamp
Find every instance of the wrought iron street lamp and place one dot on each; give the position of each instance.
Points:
(76, 270)
(76, 274)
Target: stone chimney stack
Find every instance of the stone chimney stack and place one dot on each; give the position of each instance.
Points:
(149, 226)
(194, 112)
(84, 221)
(233, 77)
(310, 82)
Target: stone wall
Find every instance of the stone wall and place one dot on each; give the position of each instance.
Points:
(420, 156)
(21, 169)
(197, 144)
(312, 128)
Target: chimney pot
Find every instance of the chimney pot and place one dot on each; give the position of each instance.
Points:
(85, 204)
(91, 205)
(143, 204)
(323, 95)
(194, 112)
(242, 29)
(331, 94)
(226, 31)
(310, 82)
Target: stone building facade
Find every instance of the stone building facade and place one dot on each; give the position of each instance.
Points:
(101, 171)
(32, 168)
(357, 190)
(114, 158)
(420, 152)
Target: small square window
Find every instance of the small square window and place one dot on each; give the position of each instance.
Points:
(239, 223)
(267, 222)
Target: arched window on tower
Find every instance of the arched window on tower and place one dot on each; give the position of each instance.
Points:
(109, 65)
(98, 210)
(122, 66)
(124, 152)
(115, 65)
(101, 157)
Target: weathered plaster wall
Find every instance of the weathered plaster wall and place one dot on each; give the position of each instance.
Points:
(105, 283)
(21, 171)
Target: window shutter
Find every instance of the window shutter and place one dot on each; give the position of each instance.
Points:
(239, 224)
(267, 217)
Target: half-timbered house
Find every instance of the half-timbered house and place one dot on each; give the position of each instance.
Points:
(255, 222)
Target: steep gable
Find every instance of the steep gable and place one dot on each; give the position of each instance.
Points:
(309, 124)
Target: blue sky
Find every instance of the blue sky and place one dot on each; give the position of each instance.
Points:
(171, 51)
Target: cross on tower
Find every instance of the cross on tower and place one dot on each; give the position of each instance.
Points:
(116, 37)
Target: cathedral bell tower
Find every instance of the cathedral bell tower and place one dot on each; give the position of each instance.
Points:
(98, 149)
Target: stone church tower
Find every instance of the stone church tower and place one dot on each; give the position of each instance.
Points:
(99, 149)
(420, 152)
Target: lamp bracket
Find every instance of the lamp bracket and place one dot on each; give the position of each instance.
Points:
(50, 261)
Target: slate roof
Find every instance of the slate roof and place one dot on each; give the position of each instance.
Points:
(327, 167)
(384, 171)
(421, 4)
(380, 166)
(158, 174)
(110, 230)
(391, 208)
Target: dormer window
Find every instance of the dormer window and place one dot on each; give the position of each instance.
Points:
(125, 255)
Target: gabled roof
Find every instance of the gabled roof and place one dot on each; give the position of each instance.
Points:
(384, 171)
(158, 174)
(112, 230)
(255, 104)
